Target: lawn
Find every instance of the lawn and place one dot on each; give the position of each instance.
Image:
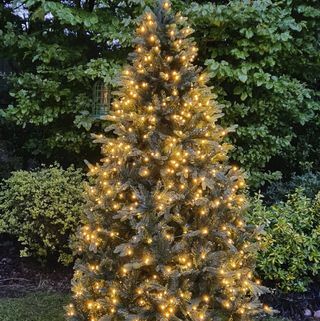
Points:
(34, 307)
(42, 307)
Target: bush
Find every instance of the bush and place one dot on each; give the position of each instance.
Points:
(253, 50)
(263, 56)
(291, 244)
(42, 208)
(310, 182)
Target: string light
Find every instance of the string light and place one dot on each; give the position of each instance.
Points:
(145, 172)
(166, 5)
(205, 231)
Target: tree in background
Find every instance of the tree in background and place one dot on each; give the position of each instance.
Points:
(265, 62)
(60, 50)
(263, 57)
(163, 235)
(10, 135)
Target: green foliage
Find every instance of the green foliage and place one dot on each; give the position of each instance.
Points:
(43, 209)
(291, 255)
(58, 60)
(309, 182)
(264, 57)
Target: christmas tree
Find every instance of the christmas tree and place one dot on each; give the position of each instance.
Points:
(164, 235)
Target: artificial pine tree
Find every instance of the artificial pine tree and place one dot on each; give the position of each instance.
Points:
(164, 238)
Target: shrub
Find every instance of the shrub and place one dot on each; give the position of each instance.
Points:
(310, 182)
(291, 244)
(253, 50)
(263, 56)
(42, 208)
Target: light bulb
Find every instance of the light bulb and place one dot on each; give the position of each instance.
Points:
(166, 5)
(204, 231)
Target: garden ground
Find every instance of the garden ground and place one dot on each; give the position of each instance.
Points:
(43, 307)
(30, 292)
(37, 306)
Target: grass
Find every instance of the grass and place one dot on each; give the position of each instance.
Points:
(34, 307)
(275, 319)
(44, 307)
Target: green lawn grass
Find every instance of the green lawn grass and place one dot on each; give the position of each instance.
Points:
(44, 307)
(34, 307)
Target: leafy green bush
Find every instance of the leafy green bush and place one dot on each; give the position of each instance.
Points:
(310, 182)
(42, 208)
(263, 56)
(253, 50)
(291, 255)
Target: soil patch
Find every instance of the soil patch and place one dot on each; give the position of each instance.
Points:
(19, 276)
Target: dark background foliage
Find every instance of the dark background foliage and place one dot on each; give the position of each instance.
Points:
(263, 57)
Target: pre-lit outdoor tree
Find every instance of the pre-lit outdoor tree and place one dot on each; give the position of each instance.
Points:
(164, 236)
